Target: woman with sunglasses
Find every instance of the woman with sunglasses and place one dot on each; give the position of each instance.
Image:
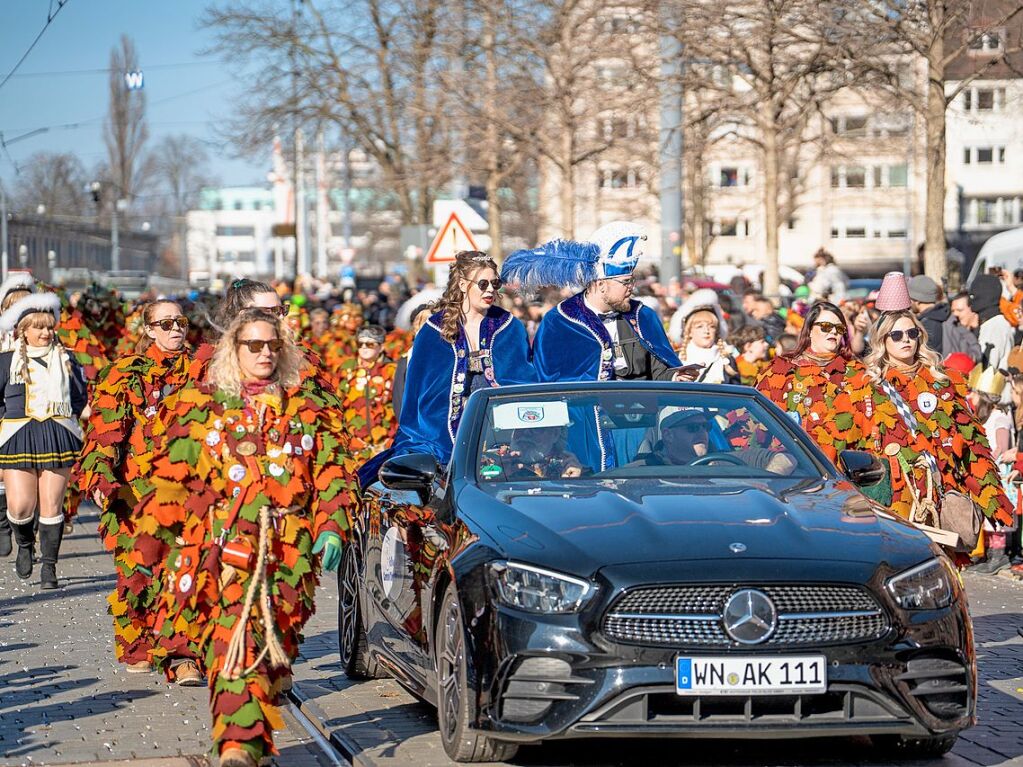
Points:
(919, 420)
(812, 384)
(125, 398)
(252, 481)
(469, 343)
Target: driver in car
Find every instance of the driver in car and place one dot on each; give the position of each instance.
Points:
(685, 437)
(537, 452)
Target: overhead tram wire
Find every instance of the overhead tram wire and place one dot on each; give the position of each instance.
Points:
(50, 16)
(108, 70)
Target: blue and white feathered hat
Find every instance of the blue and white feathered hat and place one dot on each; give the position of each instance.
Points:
(36, 303)
(611, 251)
(16, 281)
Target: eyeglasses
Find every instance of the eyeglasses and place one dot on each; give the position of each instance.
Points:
(255, 345)
(280, 311)
(627, 282)
(912, 334)
(830, 327)
(168, 323)
(368, 344)
(495, 284)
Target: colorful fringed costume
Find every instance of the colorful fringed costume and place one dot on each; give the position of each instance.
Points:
(368, 412)
(126, 396)
(266, 473)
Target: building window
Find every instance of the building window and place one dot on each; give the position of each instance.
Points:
(984, 99)
(852, 126)
(985, 156)
(856, 231)
(792, 223)
(236, 231)
(987, 211)
(897, 175)
(1001, 154)
(620, 178)
(729, 227)
(985, 42)
(855, 177)
(966, 156)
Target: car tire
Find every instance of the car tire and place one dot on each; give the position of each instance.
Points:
(461, 743)
(902, 747)
(353, 647)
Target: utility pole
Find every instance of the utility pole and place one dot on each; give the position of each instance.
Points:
(301, 244)
(322, 225)
(115, 241)
(671, 157)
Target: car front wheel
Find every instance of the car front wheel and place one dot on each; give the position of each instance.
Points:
(460, 742)
(351, 630)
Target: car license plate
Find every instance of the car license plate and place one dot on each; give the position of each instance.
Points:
(756, 675)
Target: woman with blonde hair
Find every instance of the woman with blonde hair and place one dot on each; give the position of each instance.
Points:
(468, 343)
(700, 329)
(125, 397)
(42, 393)
(919, 420)
(252, 483)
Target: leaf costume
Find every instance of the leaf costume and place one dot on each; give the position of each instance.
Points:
(819, 395)
(263, 471)
(125, 397)
(368, 410)
(943, 428)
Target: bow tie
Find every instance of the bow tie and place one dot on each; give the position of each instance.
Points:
(609, 316)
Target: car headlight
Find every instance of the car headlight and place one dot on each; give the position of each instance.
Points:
(929, 586)
(535, 590)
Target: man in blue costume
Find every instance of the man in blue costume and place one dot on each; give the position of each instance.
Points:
(600, 333)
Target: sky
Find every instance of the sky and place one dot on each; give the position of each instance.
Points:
(187, 91)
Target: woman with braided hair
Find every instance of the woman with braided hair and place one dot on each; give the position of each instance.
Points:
(252, 482)
(126, 396)
(42, 393)
(700, 328)
(469, 343)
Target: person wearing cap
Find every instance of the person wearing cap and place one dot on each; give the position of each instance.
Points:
(365, 389)
(42, 394)
(919, 420)
(930, 310)
(699, 328)
(812, 383)
(995, 333)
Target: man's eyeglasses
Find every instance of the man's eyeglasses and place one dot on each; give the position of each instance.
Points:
(368, 344)
(495, 284)
(169, 323)
(912, 334)
(255, 345)
(627, 282)
(830, 327)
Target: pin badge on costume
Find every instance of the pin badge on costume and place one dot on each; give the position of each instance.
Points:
(236, 473)
(927, 402)
(246, 448)
(307, 442)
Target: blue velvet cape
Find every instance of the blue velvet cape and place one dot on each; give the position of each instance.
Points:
(572, 344)
(435, 384)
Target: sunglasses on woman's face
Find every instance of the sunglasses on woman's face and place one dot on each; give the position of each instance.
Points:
(170, 322)
(255, 345)
(495, 284)
(830, 327)
(279, 311)
(912, 334)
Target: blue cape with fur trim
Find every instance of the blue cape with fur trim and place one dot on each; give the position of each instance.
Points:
(435, 384)
(572, 344)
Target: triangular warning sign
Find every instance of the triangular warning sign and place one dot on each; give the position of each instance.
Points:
(452, 238)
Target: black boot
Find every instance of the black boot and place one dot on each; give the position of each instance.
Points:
(50, 537)
(5, 528)
(25, 537)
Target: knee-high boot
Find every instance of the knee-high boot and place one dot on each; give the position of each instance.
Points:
(51, 532)
(24, 536)
(5, 528)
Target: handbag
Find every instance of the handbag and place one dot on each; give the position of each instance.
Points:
(959, 514)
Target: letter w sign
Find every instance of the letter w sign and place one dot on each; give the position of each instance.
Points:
(134, 81)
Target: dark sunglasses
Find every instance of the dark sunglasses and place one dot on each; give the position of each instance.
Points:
(255, 345)
(170, 322)
(280, 311)
(365, 344)
(912, 334)
(830, 327)
(495, 284)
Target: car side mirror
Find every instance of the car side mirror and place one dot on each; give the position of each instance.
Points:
(416, 471)
(862, 468)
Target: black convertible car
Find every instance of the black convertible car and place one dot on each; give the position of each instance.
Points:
(648, 559)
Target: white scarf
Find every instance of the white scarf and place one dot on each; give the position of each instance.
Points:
(49, 392)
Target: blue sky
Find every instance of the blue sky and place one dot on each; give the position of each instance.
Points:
(191, 99)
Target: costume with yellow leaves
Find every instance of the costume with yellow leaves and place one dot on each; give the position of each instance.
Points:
(366, 394)
(125, 397)
(242, 486)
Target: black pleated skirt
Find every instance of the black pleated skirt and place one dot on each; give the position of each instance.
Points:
(40, 445)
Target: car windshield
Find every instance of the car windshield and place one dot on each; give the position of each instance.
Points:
(617, 433)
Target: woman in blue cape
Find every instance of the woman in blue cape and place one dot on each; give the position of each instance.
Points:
(468, 344)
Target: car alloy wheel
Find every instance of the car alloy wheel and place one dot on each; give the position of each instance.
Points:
(351, 631)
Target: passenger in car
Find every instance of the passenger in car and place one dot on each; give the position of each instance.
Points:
(532, 453)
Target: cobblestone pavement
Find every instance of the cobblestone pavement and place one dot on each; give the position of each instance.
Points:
(63, 697)
(380, 725)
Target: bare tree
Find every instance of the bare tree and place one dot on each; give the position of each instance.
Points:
(125, 129)
(179, 164)
(55, 180)
(765, 66)
(370, 68)
(887, 38)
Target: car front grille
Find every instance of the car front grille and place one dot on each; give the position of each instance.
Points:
(690, 616)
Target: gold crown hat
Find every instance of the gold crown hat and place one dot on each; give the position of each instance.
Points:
(990, 381)
(974, 376)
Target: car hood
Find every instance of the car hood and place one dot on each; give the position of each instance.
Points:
(583, 528)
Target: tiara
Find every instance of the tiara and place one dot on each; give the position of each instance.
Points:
(473, 255)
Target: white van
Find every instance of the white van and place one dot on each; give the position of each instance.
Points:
(1004, 250)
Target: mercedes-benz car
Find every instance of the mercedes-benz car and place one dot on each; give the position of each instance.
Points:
(652, 559)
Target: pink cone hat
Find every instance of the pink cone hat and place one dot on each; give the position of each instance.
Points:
(894, 294)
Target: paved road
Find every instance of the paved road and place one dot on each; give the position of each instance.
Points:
(380, 725)
(63, 697)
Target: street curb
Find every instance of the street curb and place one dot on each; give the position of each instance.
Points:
(344, 744)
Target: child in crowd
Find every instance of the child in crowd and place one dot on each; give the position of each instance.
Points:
(750, 360)
(785, 344)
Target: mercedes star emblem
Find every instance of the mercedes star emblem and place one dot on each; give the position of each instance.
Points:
(750, 617)
(737, 548)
